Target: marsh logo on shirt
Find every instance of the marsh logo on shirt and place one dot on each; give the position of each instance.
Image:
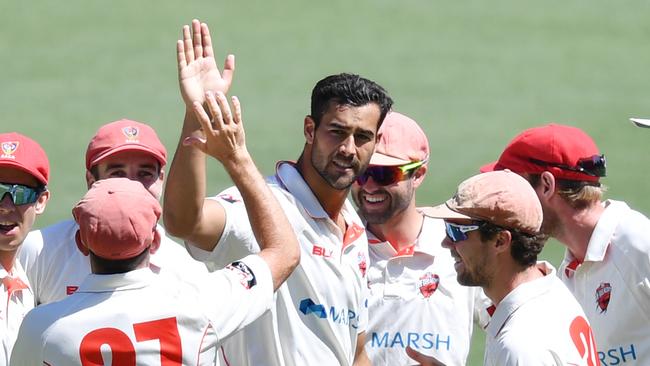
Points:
(246, 275)
(336, 315)
(603, 293)
(9, 148)
(428, 284)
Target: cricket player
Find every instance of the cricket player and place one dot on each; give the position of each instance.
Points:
(319, 316)
(492, 225)
(24, 172)
(123, 148)
(415, 299)
(126, 314)
(607, 260)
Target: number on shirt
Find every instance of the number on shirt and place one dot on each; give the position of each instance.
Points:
(583, 339)
(123, 350)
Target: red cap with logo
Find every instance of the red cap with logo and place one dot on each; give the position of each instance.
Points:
(117, 219)
(124, 135)
(559, 149)
(401, 141)
(21, 152)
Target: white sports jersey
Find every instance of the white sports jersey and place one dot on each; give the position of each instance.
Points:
(55, 266)
(613, 285)
(540, 323)
(415, 300)
(15, 301)
(321, 308)
(144, 318)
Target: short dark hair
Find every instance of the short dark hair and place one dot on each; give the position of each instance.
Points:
(110, 266)
(525, 247)
(348, 89)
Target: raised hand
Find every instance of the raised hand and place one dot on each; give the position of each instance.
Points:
(224, 137)
(422, 359)
(197, 69)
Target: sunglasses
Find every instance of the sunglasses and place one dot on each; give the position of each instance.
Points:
(595, 166)
(457, 232)
(20, 194)
(387, 175)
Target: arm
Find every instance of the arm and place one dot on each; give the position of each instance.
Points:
(360, 356)
(224, 140)
(186, 213)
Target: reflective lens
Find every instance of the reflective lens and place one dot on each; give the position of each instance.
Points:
(387, 175)
(594, 166)
(456, 232)
(20, 194)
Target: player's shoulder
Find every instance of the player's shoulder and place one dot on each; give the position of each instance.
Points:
(53, 238)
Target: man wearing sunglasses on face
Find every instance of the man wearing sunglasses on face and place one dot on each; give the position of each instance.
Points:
(607, 260)
(415, 299)
(492, 230)
(24, 171)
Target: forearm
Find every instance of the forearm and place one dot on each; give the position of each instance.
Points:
(272, 230)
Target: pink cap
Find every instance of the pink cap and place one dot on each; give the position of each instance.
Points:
(401, 141)
(501, 197)
(117, 219)
(552, 143)
(124, 135)
(21, 152)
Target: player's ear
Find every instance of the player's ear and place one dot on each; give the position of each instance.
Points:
(418, 176)
(80, 245)
(90, 179)
(547, 185)
(504, 240)
(156, 242)
(309, 129)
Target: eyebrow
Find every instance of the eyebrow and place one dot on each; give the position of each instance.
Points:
(122, 165)
(343, 126)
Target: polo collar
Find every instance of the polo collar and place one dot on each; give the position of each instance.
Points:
(131, 280)
(387, 250)
(604, 230)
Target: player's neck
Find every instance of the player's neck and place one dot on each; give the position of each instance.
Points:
(332, 200)
(508, 278)
(7, 259)
(401, 230)
(576, 229)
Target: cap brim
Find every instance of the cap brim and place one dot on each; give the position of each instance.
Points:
(33, 172)
(128, 147)
(442, 212)
(641, 122)
(381, 159)
(489, 167)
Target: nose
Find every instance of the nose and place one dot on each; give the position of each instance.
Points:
(6, 203)
(447, 243)
(348, 146)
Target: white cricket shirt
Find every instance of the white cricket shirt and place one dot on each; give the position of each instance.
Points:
(540, 323)
(55, 266)
(415, 300)
(613, 285)
(321, 308)
(15, 301)
(144, 318)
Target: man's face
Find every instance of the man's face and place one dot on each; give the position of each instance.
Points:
(378, 204)
(343, 143)
(134, 165)
(17, 220)
(471, 257)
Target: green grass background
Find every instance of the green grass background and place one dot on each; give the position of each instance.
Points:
(473, 73)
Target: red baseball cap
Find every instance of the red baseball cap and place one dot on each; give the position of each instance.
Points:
(21, 152)
(556, 148)
(124, 135)
(401, 141)
(117, 219)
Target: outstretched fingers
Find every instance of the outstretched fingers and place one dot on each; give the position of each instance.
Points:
(207, 41)
(237, 115)
(197, 39)
(180, 55)
(187, 44)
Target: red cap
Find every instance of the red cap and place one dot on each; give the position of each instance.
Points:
(401, 141)
(23, 153)
(124, 135)
(552, 143)
(117, 219)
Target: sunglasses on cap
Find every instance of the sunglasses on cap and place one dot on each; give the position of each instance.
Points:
(20, 194)
(458, 232)
(595, 166)
(385, 175)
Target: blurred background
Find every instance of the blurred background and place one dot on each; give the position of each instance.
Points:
(472, 73)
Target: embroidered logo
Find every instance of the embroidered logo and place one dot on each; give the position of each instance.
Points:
(603, 293)
(69, 290)
(131, 133)
(228, 198)
(246, 275)
(428, 284)
(361, 261)
(9, 148)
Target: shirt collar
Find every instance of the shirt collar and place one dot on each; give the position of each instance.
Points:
(17, 272)
(430, 230)
(131, 280)
(605, 229)
(521, 295)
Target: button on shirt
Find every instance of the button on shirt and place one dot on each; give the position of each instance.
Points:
(540, 323)
(415, 300)
(321, 308)
(16, 300)
(144, 318)
(613, 285)
(55, 266)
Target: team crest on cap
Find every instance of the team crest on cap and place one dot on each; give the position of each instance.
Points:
(131, 133)
(9, 148)
(603, 293)
(428, 284)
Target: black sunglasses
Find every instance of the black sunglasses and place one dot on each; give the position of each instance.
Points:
(595, 166)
